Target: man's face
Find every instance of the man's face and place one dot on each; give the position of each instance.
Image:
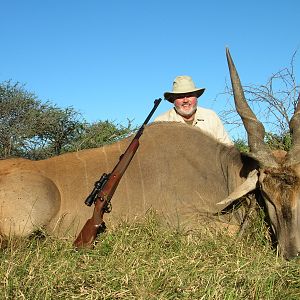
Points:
(186, 105)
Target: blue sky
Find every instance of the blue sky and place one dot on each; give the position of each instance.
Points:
(111, 59)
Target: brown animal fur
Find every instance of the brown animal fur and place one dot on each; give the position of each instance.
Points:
(177, 171)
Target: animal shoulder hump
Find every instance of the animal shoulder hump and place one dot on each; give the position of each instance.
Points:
(176, 132)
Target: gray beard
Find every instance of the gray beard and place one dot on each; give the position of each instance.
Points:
(185, 114)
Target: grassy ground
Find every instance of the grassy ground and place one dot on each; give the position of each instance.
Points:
(146, 260)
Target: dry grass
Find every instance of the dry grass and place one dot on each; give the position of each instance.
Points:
(149, 261)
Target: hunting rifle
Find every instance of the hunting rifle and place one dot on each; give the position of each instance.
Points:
(104, 189)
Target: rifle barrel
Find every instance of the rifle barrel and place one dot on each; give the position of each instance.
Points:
(105, 188)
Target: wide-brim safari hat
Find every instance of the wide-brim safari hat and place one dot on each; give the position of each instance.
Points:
(183, 85)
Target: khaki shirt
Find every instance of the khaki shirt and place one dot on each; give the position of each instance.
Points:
(206, 119)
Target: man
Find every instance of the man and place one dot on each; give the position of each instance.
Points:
(184, 96)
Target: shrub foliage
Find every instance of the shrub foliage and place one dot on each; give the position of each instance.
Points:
(36, 130)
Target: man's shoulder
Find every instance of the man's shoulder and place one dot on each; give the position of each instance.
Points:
(205, 110)
(169, 115)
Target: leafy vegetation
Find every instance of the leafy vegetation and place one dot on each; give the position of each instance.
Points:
(274, 141)
(36, 130)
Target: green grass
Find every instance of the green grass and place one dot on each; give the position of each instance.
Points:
(145, 260)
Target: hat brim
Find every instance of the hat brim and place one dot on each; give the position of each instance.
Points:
(171, 96)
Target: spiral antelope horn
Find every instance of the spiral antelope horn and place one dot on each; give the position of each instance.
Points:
(254, 128)
(294, 153)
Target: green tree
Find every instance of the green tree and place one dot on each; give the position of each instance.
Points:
(36, 130)
(17, 107)
(241, 145)
(282, 142)
(100, 133)
(54, 130)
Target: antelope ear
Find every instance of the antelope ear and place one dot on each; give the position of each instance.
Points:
(247, 186)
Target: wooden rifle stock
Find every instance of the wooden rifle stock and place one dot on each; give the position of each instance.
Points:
(103, 191)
